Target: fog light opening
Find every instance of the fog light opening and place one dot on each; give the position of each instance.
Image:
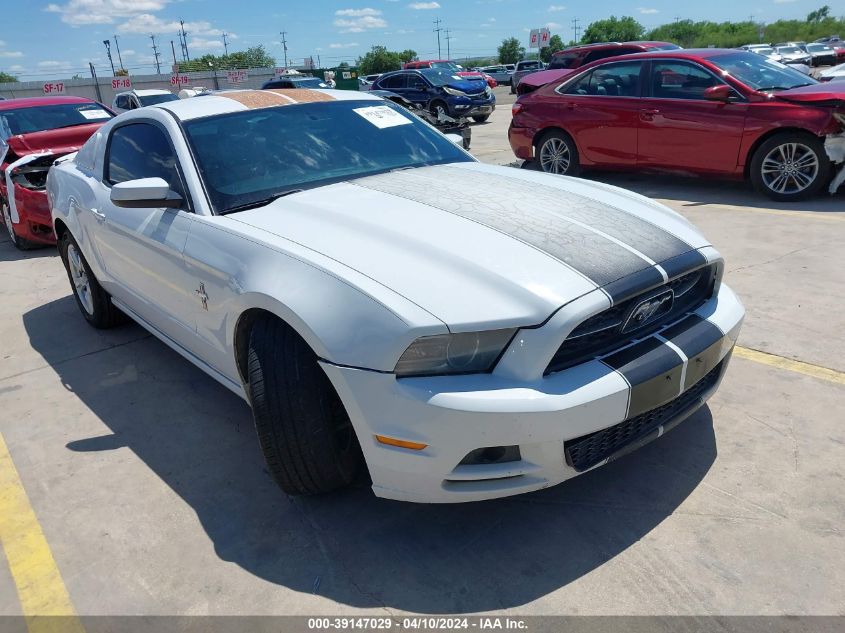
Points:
(492, 455)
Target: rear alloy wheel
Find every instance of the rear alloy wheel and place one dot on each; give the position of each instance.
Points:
(790, 166)
(557, 154)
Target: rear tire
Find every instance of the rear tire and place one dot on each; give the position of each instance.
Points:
(306, 436)
(556, 154)
(790, 166)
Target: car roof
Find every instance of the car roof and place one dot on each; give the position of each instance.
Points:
(34, 102)
(239, 100)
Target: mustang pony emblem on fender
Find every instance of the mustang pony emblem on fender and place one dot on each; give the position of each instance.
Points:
(649, 309)
(203, 296)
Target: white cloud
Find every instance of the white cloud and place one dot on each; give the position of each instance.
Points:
(647, 11)
(361, 24)
(16, 68)
(11, 54)
(147, 23)
(204, 44)
(553, 25)
(554, 8)
(350, 45)
(78, 12)
(357, 13)
(424, 5)
(50, 64)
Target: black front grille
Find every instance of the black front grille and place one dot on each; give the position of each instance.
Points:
(603, 332)
(586, 451)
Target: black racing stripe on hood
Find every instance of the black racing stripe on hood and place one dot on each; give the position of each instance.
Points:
(649, 239)
(683, 263)
(596, 257)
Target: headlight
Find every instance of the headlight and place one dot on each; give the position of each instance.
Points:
(453, 92)
(465, 353)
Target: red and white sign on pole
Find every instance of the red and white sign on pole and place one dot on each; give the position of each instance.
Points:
(237, 76)
(121, 83)
(545, 36)
(539, 38)
(54, 88)
(179, 80)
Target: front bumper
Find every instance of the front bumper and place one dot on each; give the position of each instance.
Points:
(468, 107)
(545, 416)
(31, 217)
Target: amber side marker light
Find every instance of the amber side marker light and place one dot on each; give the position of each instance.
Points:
(391, 441)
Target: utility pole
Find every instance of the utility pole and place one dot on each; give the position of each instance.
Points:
(96, 82)
(448, 44)
(437, 30)
(173, 48)
(285, 46)
(225, 44)
(319, 65)
(156, 55)
(108, 53)
(119, 58)
(575, 28)
(184, 41)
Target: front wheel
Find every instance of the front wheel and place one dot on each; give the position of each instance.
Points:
(557, 154)
(790, 166)
(306, 436)
(18, 242)
(438, 108)
(94, 302)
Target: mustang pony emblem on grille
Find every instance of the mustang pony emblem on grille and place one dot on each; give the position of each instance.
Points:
(649, 309)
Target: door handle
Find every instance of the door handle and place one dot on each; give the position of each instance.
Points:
(648, 115)
(99, 215)
(570, 105)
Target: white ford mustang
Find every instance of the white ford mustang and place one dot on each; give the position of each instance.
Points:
(387, 304)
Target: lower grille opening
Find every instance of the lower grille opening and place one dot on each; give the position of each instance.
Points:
(582, 453)
(492, 455)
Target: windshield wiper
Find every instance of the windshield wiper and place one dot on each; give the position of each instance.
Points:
(261, 203)
(784, 87)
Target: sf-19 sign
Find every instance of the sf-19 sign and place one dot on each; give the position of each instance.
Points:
(237, 76)
(54, 88)
(179, 80)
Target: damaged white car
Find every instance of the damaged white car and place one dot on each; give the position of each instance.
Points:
(341, 265)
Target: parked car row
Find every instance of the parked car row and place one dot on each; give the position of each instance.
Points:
(710, 111)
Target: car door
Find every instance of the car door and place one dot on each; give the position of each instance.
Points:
(141, 248)
(679, 128)
(397, 83)
(600, 109)
(417, 90)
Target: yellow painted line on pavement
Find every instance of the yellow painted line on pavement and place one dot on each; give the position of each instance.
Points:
(41, 591)
(797, 366)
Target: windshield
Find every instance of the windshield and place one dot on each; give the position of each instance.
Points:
(529, 65)
(440, 77)
(788, 50)
(764, 51)
(310, 83)
(564, 60)
(818, 48)
(51, 117)
(445, 65)
(251, 156)
(761, 73)
(149, 100)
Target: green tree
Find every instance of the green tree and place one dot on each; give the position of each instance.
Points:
(613, 29)
(510, 51)
(379, 60)
(408, 55)
(253, 57)
(555, 44)
(813, 17)
(5, 78)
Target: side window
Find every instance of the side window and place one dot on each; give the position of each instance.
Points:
(394, 82)
(680, 80)
(122, 102)
(141, 150)
(416, 82)
(610, 80)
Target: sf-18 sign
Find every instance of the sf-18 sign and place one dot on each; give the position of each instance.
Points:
(121, 83)
(54, 88)
(539, 38)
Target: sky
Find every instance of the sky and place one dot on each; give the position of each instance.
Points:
(42, 40)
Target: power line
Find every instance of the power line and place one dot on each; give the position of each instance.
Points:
(156, 55)
(437, 30)
(576, 28)
(285, 46)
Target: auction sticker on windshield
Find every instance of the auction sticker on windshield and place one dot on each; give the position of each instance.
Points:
(382, 116)
(95, 114)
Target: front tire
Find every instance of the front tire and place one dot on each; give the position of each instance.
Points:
(94, 302)
(557, 154)
(18, 242)
(790, 166)
(306, 436)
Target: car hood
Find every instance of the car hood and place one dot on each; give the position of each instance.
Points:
(543, 77)
(817, 94)
(469, 85)
(472, 258)
(60, 141)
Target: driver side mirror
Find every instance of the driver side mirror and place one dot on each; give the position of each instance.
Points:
(145, 193)
(722, 92)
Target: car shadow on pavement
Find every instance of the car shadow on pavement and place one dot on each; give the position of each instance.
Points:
(8, 253)
(352, 547)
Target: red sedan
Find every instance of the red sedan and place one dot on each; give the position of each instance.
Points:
(33, 134)
(712, 111)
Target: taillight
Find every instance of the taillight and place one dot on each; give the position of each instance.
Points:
(516, 109)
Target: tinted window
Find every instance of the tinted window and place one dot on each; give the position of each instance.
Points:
(610, 80)
(154, 99)
(51, 117)
(761, 73)
(122, 102)
(141, 150)
(440, 77)
(416, 82)
(247, 156)
(393, 82)
(679, 80)
(565, 60)
(609, 52)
